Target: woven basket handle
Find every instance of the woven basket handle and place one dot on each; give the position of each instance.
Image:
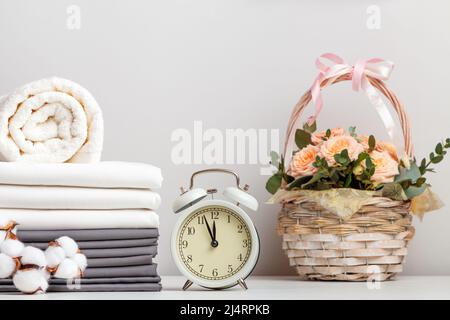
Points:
(378, 84)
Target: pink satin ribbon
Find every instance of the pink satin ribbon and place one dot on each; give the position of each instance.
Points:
(375, 68)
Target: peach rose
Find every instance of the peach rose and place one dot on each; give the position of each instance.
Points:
(317, 138)
(380, 146)
(336, 145)
(302, 162)
(386, 168)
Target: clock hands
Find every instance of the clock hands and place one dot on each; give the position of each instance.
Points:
(214, 242)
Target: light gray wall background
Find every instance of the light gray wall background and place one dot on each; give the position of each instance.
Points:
(155, 66)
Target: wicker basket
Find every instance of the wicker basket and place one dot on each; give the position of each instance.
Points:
(371, 245)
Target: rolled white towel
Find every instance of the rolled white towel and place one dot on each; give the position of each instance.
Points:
(50, 120)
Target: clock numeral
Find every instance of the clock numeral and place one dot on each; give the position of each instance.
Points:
(240, 257)
(240, 227)
(230, 268)
(184, 244)
(215, 272)
(214, 215)
(245, 243)
(201, 220)
(191, 231)
(189, 258)
(229, 219)
(201, 266)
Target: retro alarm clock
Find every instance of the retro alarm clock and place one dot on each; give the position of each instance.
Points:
(215, 243)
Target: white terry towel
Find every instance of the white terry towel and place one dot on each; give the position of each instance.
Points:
(100, 175)
(80, 219)
(43, 197)
(50, 120)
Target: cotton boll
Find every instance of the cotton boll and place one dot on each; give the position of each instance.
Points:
(81, 261)
(30, 281)
(55, 255)
(34, 256)
(69, 245)
(12, 247)
(68, 269)
(7, 266)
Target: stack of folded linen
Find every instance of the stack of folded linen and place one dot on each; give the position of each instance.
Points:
(107, 207)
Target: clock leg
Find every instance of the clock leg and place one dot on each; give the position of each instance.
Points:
(187, 284)
(242, 283)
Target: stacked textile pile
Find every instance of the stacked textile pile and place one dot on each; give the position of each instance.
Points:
(107, 207)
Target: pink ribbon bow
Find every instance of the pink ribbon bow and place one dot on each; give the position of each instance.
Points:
(374, 68)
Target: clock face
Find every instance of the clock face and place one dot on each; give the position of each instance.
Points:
(214, 243)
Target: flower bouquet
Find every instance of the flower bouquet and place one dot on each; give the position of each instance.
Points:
(347, 198)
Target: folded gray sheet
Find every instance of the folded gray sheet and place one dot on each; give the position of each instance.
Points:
(119, 272)
(87, 235)
(120, 252)
(120, 261)
(103, 244)
(120, 287)
(82, 281)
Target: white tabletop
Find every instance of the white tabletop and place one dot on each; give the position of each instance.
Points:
(269, 288)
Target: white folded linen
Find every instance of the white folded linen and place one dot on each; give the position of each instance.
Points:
(44, 197)
(50, 120)
(80, 219)
(101, 175)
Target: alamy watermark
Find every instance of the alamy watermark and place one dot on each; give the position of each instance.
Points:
(73, 21)
(230, 146)
(373, 21)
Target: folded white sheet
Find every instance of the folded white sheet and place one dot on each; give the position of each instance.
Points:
(101, 175)
(43, 197)
(81, 219)
(50, 120)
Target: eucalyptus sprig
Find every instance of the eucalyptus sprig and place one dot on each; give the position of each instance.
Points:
(412, 178)
(276, 180)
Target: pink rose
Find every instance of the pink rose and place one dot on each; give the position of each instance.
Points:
(336, 145)
(386, 168)
(302, 162)
(317, 138)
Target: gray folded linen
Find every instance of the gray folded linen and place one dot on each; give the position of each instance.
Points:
(73, 282)
(87, 234)
(120, 252)
(116, 272)
(115, 287)
(103, 244)
(120, 261)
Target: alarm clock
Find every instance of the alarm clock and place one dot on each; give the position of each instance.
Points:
(215, 243)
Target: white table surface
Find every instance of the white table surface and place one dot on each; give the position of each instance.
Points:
(270, 288)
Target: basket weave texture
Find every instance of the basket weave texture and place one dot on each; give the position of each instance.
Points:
(371, 245)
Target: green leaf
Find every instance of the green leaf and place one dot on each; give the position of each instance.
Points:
(342, 158)
(420, 181)
(288, 178)
(437, 159)
(328, 133)
(352, 131)
(310, 128)
(413, 191)
(297, 183)
(274, 183)
(369, 163)
(315, 178)
(274, 158)
(411, 174)
(372, 143)
(439, 148)
(348, 181)
(302, 138)
(394, 191)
